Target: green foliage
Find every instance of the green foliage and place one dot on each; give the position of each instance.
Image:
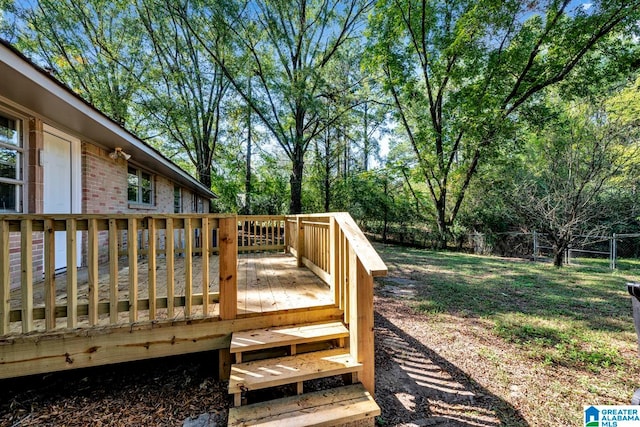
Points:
(551, 345)
(95, 46)
(458, 72)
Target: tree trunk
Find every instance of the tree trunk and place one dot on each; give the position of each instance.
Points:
(247, 180)
(295, 205)
(327, 172)
(204, 176)
(558, 257)
(443, 226)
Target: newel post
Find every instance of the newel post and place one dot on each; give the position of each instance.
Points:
(361, 320)
(228, 283)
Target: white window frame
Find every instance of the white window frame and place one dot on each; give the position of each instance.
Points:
(22, 150)
(138, 202)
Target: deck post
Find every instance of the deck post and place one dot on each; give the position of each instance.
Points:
(228, 283)
(300, 241)
(228, 286)
(361, 321)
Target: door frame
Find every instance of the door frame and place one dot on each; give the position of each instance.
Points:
(76, 180)
(76, 167)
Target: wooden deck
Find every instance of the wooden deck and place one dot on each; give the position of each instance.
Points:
(267, 282)
(177, 284)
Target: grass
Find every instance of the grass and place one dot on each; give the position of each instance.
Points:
(569, 330)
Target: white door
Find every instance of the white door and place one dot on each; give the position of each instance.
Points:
(60, 162)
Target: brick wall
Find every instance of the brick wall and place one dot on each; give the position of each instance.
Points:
(104, 191)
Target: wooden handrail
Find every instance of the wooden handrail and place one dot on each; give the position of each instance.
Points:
(370, 259)
(334, 247)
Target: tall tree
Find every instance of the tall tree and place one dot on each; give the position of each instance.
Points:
(94, 46)
(287, 46)
(459, 71)
(185, 90)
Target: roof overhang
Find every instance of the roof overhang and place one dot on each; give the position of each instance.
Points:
(24, 83)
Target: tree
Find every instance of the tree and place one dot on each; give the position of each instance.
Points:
(458, 73)
(185, 90)
(570, 165)
(94, 46)
(286, 48)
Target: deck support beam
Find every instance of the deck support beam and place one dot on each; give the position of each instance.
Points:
(60, 351)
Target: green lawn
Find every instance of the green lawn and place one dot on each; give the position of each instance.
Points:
(570, 327)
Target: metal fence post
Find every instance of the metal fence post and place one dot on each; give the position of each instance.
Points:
(614, 249)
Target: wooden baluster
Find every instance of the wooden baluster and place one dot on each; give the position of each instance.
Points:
(113, 270)
(255, 233)
(300, 240)
(334, 260)
(151, 263)
(205, 266)
(93, 271)
(169, 258)
(49, 275)
(5, 277)
(347, 276)
(188, 273)
(26, 257)
(72, 274)
(132, 245)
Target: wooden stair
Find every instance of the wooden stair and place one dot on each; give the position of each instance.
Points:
(322, 408)
(290, 336)
(331, 407)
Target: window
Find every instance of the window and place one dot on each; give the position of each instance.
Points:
(197, 204)
(140, 187)
(177, 200)
(11, 152)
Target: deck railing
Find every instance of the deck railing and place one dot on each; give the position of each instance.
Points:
(106, 238)
(261, 232)
(334, 247)
(115, 248)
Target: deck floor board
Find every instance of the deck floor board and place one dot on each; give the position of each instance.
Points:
(267, 282)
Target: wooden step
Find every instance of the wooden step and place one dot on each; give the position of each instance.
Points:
(323, 408)
(261, 374)
(260, 339)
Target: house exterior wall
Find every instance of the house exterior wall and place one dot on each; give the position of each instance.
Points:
(104, 191)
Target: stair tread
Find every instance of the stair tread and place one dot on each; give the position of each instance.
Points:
(260, 374)
(322, 408)
(259, 339)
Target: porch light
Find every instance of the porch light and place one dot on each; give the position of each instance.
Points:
(119, 153)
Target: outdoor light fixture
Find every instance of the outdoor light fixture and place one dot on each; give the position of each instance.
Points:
(119, 153)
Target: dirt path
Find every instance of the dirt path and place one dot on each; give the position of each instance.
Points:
(415, 386)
